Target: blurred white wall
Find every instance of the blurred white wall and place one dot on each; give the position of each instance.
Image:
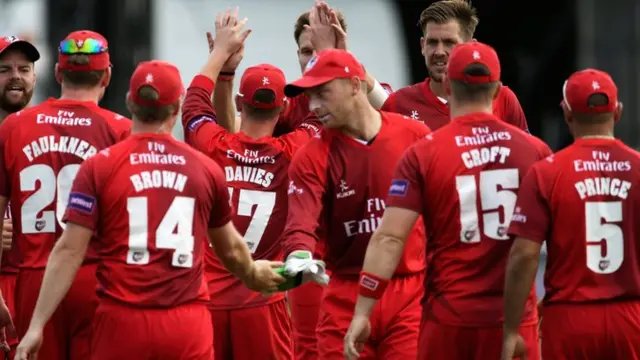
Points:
(373, 27)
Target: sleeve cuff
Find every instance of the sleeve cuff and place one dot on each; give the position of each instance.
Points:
(203, 82)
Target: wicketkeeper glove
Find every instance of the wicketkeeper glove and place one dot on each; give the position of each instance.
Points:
(299, 268)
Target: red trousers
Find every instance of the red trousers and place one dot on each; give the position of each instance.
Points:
(67, 336)
(591, 331)
(181, 333)
(395, 320)
(304, 303)
(8, 288)
(260, 332)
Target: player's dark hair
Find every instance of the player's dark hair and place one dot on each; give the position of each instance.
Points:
(304, 20)
(151, 114)
(444, 11)
(264, 96)
(81, 79)
(465, 92)
(595, 100)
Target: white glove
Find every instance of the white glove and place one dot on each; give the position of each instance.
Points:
(302, 262)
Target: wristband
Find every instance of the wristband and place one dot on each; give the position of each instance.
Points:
(377, 96)
(371, 285)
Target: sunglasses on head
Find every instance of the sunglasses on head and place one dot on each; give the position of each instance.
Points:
(86, 46)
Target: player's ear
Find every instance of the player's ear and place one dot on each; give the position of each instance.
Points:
(356, 85)
(566, 113)
(423, 46)
(106, 78)
(497, 90)
(129, 103)
(618, 112)
(58, 73)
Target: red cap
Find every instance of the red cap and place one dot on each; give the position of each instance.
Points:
(262, 76)
(162, 76)
(327, 65)
(14, 42)
(98, 61)
(469, 53)
(582, 84)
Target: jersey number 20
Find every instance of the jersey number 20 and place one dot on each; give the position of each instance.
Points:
(51, 186)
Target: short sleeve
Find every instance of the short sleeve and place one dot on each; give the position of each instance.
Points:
(407, 186)
(82, 208)
(532, 217)
(220, 209)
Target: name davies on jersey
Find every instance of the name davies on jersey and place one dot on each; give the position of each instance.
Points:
(249, 174)
(64, 117)
(62, 144)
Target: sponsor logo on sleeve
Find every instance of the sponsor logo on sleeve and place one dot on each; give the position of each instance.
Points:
(82, 202)
(399, 187)
(195, 122)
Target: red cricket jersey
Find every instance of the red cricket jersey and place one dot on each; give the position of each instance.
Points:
(584, 201)
(41, 149)
(338, 188)
(420, 103)
(151, 200)
(463, 180)
(256, 173)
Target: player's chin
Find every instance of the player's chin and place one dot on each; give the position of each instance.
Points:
(13, 104)
(437, 75)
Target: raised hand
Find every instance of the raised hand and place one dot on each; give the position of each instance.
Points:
(234, 60)
(230, 37)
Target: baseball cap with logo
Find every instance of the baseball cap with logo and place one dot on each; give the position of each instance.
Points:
(581, 85)
(88, 43)
(14, 42)
(470, 53)
(163, 77)
(326, 66)
(262, 76)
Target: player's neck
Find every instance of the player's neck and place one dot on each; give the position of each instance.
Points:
(139, 127)
(438, 89)
(364, 122)
(92, 95)
(466, 109)
(257, 129)
(593, 131)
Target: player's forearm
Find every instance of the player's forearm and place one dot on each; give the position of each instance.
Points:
(214, 64)
(383, 255)
(236, 257)
(521, 273)
(223, 105)
(61, 269)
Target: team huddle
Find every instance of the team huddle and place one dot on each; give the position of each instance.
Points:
(324, 218)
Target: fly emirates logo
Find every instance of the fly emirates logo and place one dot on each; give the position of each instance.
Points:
(156, 179)
(484, 152)
(368, 225)
(64, 117)
(602, 185)
(249, 174)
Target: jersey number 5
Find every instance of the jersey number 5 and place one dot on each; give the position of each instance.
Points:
(605, 241)
(179, 217)
(264, 201)
(50, 186)
(496, 191)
